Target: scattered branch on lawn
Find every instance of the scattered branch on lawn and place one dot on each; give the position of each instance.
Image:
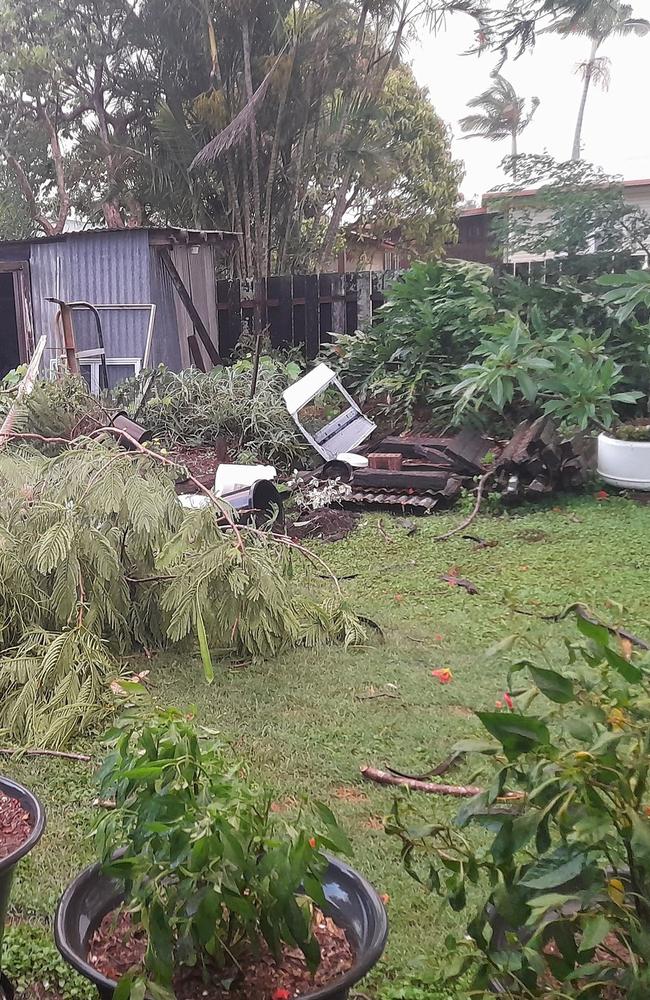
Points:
(583, 612)
(477, 506)
(386, 778)
(458, 581)
(377, 694)
(383, 532)
(451, 761)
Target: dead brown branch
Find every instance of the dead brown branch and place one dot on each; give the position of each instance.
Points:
(386, 778)
(477, 506)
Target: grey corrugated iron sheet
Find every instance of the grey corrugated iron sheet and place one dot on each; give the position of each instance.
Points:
(108, 268)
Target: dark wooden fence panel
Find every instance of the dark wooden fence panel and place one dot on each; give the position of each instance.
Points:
(300, 310)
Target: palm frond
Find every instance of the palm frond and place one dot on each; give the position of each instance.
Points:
(237, 129)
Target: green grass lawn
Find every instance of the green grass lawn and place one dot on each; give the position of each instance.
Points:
(305, 722)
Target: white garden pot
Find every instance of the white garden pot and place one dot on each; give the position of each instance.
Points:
(624, 463)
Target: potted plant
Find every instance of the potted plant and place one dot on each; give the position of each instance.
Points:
(205, 890)
(565, 852)
(624, 455)
(22, 822)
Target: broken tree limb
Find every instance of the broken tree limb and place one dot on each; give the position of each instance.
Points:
(583, 612)
(452, 761)
(477, 506)
(386, 778)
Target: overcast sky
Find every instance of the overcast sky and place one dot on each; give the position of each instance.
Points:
(616, 133)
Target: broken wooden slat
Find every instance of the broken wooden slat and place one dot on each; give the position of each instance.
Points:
(384, 478)
(312, 317)
(195, 352)
(185, 297)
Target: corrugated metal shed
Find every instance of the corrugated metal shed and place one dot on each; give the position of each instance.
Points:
(122, 267)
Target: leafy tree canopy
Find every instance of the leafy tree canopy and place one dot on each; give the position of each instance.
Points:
(105, 105)
(574, 208)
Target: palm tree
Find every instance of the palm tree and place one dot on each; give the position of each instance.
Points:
(503, 113)
(601, 20)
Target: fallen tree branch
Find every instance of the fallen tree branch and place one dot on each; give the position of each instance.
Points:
(66, 755)
(386, 778)
(583, 612)
(452, 761)
(477, 506)
(220, 504)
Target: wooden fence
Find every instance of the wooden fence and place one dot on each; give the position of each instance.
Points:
(299, 310)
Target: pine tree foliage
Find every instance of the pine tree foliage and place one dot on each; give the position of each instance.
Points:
(98, 559)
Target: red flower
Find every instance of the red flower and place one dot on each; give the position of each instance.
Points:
(281, 994)
(499, 704)
(312, 842)
(443, 674)
(601, 495)
(508, 700)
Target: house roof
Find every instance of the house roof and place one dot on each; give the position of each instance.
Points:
(158, 235)
(528, 192)
(466, 213)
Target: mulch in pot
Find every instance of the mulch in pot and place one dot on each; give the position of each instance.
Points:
(118, 945)
(15, 825)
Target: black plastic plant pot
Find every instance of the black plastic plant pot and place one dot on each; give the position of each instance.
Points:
(352, 903)
(33, 807)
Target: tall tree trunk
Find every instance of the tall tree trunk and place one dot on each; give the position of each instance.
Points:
(28, 194)
(259, 268)
(346, 101)
(589, 70)
(59, 171)
(275, 150)
(340, 203)
(514, 152)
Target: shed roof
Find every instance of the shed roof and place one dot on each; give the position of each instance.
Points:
(158, 236)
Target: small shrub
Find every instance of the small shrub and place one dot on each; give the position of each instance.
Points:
(208, 869)
(566, 856)
(430, 323)
(60, 407)
(195, 408)
(522, 371)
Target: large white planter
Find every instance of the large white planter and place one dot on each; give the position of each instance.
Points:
(624, 463)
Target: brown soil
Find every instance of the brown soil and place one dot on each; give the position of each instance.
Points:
(330, 524)
(118, 945)
(201, 462)
(15, 825)
(349, 793)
